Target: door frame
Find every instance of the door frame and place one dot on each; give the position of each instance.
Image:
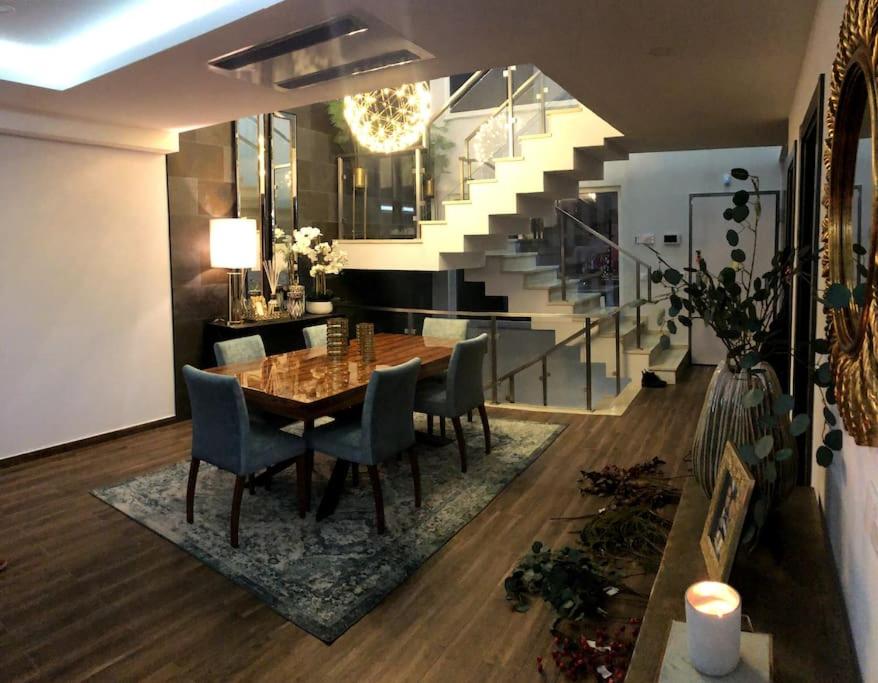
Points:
(702, 195)
(812, 123)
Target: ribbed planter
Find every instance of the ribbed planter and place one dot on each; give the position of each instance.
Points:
(724, 418)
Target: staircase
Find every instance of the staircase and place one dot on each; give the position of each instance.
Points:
(474, 235)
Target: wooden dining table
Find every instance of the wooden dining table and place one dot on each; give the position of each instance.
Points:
(306, 385)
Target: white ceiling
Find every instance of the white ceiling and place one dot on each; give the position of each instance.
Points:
(670, 74)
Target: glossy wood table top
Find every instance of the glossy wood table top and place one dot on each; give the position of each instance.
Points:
(306, 384)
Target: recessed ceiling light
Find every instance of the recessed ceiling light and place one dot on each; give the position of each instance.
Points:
(7, 9)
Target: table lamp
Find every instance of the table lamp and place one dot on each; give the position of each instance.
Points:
(233, 246)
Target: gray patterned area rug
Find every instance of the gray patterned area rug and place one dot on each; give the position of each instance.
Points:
(324, 576)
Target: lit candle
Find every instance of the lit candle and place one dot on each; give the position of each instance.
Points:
(713, 623)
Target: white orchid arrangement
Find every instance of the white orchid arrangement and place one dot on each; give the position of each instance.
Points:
(326, 258)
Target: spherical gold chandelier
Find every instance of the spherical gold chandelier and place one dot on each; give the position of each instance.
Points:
(390, 119)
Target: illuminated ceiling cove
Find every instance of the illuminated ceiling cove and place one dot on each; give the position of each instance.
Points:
(59, 44)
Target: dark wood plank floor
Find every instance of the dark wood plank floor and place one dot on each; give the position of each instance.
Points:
(91, 593)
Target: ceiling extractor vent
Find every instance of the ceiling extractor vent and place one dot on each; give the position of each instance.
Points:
(337, 48)
(292, 42)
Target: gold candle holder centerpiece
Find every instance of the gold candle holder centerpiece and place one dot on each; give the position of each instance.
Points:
(366, 341)
(337, 338)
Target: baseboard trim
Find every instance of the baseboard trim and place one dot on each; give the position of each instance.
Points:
(58, 449)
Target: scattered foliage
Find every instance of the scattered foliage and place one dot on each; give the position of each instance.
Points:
(565, 579)
(641, 484)
(604, 657)
(624, 533)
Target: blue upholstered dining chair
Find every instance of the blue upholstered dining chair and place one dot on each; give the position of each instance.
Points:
(460, 391)
(445, 328)
(314, 336)
(455, 329)
(384, 430)
(241, 350)
(223, 435)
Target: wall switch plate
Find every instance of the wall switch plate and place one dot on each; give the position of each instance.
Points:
(671, 239)
(644, 238)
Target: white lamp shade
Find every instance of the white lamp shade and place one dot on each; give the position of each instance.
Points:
(233, 243)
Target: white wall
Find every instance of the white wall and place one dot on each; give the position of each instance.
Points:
(654, 197)
(843, 489)
(85, 296)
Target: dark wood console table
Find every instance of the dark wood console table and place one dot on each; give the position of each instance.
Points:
(788, 588)
(279, 336)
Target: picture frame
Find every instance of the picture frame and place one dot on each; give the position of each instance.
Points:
(725, 517)
(258, 306)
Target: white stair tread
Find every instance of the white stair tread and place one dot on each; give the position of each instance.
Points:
(670, 359)
(648, 342)
(533, 270)
(626, 325)
(574, 298)
(512, 254)
(554, 284)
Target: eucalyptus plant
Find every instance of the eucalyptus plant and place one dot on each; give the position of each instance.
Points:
(742, 307)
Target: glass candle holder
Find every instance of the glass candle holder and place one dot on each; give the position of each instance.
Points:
(337, 338)
(713, 625)
(296, 301)
(366, 341)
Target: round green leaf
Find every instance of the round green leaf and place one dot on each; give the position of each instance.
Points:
(656, 276)
(764, 446)
(740, 213)
(821, 346)
(728, 214)
(673, 276)
(859, 294)
(783, 455)
(837, 295)
(750, 359)
(859, 249)
(782, 404)
(738, 255)
(770, 472)
(672, 327)
(824, 374)
(829, 416)
(748, 453)
(685, 321)
(753, 398)
(740, 173)
(732, 237)
(740, 197)
(824, 456)
(833, 439)
(799, 424)
(665, 341)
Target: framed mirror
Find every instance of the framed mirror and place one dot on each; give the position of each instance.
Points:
(850, 221)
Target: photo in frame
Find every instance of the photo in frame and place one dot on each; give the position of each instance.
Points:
(728, 510)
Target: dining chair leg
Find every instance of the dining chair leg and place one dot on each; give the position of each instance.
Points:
(486, 428)
(355, 474)
(251, 484)
(302, 477)
(469, 415)
(461, 444)
(190, 489)
(236, 509)
(309, 463)
(416, 475)
(442, 426)
(430, 425)
(379, 498)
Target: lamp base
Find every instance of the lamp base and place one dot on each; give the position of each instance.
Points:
(236, 297)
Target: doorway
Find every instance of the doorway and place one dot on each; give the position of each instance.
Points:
(805, 305)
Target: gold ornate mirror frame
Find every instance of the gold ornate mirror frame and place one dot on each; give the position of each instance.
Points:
(852, 331)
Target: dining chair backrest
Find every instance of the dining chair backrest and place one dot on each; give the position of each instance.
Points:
(445, 328)
(241, 350)
(387, 423)
(220, 422)
(314, 336)
(464, 380)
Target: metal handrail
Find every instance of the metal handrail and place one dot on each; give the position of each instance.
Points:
(505, 103)
(455, 97)
(588, 323)
(562, 227)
